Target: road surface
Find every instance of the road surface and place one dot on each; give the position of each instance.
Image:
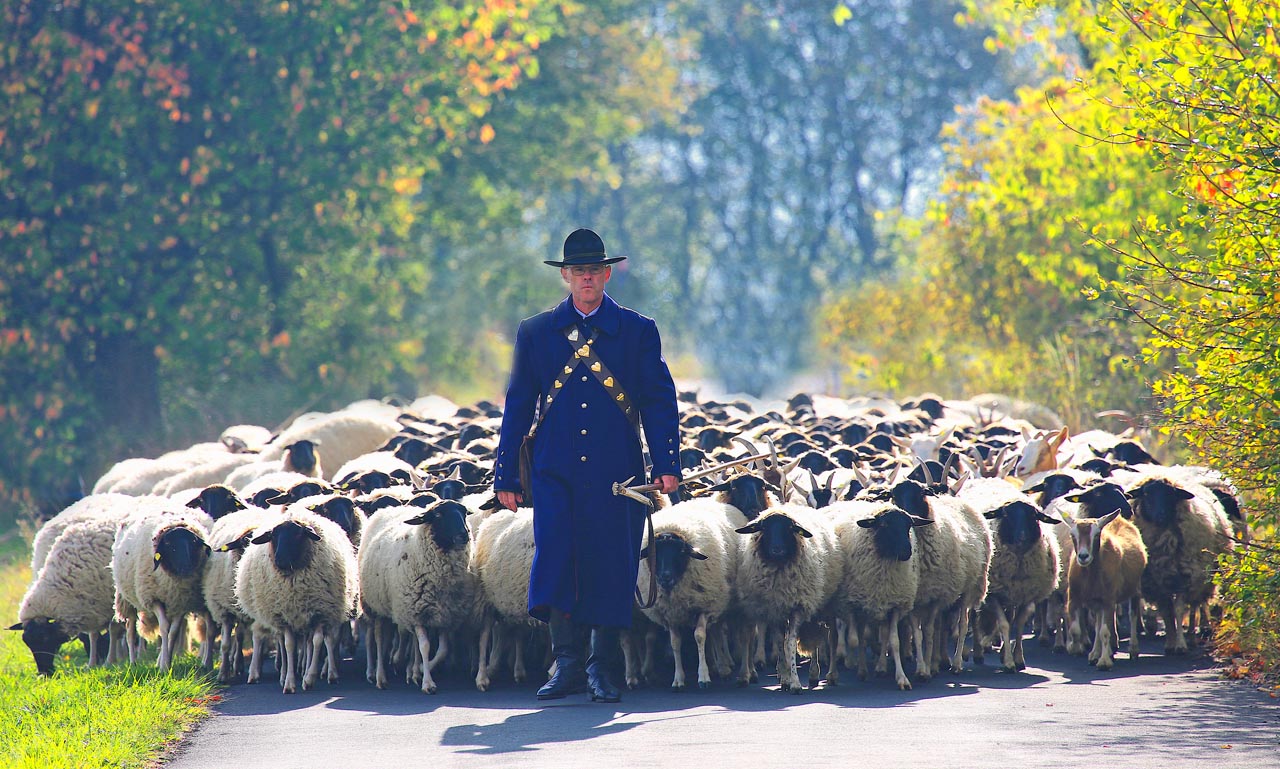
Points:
(1060, 712)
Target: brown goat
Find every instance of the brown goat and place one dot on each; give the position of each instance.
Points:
(1105, 571)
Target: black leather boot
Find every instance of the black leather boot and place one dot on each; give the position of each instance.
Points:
(567, 648)
(604, 651)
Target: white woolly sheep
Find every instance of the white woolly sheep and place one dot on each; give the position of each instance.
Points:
(879, 578)
(111, 506)
(72, 594)
(1105, 572)
(338, 437)
(299, 582)
(502, 558)
(207, 473)
(414, 572)
(787, 571)
(1025, 561)
(158, 563)
(1185, 530)
(245, 439)
(696, 550)
(955, 559)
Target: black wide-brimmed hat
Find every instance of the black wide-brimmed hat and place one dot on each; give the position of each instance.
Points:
(584, 247)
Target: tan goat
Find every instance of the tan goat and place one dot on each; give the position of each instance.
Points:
(1106, 571)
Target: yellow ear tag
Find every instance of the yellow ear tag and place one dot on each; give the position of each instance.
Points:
(157, 556)
(608, 381)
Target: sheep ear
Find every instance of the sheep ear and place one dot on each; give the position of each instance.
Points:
(311, 533)
(719, 487)
(16, 626)
(993, 514)
(750, 528)
(918, 521)
(695, 554)
(867, 523)
(262, 539)
(1070, 497)
(1047, 518)
(419, 519)
(1036, 488)
(1183, 494)
(194, 503)
(802, 531)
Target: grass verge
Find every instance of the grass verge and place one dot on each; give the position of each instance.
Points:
(121, 716)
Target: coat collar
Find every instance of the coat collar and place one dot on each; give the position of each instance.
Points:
(608, 318)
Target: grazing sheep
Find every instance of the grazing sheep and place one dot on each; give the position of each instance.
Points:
(1185, 530)
(158, 562)
(696, 551)
(415, 572)
(879, 577)
(1105, 573)
(72, 594)
(299, 583)
(787, 571)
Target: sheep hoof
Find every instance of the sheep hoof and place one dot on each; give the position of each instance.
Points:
(430, 689)
(743, 683)
(677, 687)
(904, 683)
(1021, 666)
(1045, 642)
(1104, 664)
(704, 684)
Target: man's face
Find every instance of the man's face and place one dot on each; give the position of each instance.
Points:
(586, 282)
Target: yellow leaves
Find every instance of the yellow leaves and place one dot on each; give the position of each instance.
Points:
(91, 108)
(486, 133)
(841, 14)
(407, 185)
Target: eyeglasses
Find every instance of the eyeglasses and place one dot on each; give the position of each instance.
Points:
(590, 269)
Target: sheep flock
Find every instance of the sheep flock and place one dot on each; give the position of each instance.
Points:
(889, 538)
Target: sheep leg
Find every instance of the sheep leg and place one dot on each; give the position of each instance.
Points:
(743, 639)
(113, 642)
(1006, 640)
(1075, 644)
(1135, 608)
(882, 659)
(895, 616)
(289, 669)
(332, 642)
(649, 662)
(836, 643)
(930, 632)
(206, 645)
(370, 650)
(382, 650)
(1024, 614)
(1174, 641)
(255, 656)
(424, 649)
(961, 630)
(168, 631)
(93, 648)
(313, 664)
(518, 673)
(704, 673)
(916, 627)
(482, 655)
(442, 651)
(787, 660)
(760, 659)
(630, 661)
(857, 641)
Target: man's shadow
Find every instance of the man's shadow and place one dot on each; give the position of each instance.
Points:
(569, 722)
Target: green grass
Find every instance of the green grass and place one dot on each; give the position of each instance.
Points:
(121, 716)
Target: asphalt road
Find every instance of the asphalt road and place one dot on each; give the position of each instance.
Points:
(1060, 712)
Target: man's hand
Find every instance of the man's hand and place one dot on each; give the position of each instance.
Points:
(669, 483)
(510, 499)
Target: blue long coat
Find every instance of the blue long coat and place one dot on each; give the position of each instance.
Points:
(587, 540)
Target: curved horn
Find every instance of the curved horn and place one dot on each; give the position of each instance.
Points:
(950, 465)
(928, 474)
